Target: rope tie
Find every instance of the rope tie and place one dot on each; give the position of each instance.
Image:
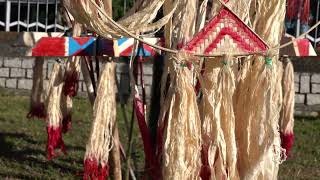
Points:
(268, 61)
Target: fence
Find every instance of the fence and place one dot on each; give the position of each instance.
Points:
(31, 15)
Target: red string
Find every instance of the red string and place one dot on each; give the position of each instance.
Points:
(292, 10)
(305, 12)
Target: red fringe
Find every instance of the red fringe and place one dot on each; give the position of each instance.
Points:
(305, 14)
(287, 142)
(37, 111)
(71, 84)
(54, 141)
(205, 172)
(151, 163)
(292, 9)
(66, 123)
(93, 171)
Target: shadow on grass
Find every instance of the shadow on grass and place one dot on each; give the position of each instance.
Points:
(29, 155)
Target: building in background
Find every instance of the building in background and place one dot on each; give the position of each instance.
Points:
(31, 15)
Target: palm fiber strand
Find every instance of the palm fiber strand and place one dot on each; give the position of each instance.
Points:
(104, 115)
(37, 107)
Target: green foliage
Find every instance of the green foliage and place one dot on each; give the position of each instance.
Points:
(118, 7)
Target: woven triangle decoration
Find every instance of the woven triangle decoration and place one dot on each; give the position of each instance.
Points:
(226, 33)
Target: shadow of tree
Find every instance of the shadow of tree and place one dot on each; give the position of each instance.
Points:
(31, 156)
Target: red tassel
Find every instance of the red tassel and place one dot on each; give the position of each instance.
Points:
(93, 171)
(287, 142)
(104, 172)
(292, 9)
(71, 84)
(306, 12)
(37, 111)
(66, 123)
(205, 172)
(54, 141)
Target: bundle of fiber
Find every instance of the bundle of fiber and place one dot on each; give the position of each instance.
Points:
(213, 153)
(72, 74)
(224, 92)
(287, 112)
(104, 115)
(54, 114)
(37, 108)
(182, 136)
(66, 109)
(256, 130)
(71, 77)
(84, 12)
(70, 88)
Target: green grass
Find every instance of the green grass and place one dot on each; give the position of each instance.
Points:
(305, 160)
(23, 144)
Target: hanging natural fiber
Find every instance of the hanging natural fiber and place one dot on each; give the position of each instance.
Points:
(37, 108)
(85, 13)
(256, 130)
(72, 74)
(66, 109)
(182, 139)
(71, 77)
(224, 92)
(287, 112)
(213, 144)
(104, 115)
(219, 152)
(54, 114)
(70, 88)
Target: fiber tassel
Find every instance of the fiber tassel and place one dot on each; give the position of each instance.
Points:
(292, 9)
(256, 122)
(37, 108)
(287, 112)
(213, 143)
(104, 115)
(225, 90)
(66, 108)
(72, 74)
(305, 14)
(182, 139)
(54, 114)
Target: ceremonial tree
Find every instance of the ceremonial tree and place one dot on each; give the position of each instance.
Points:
(222, 97)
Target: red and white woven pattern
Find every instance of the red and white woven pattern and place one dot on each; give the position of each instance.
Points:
(226, 33)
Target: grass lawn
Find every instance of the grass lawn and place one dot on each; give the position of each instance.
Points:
(23, 144)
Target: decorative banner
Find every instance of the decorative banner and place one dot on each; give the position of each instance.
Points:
(80, 46)
(226, 33)
(300, 47)
(50, 46)
(90, 46)
(125, 46)
(303, 47)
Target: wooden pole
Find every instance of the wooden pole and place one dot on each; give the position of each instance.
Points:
(115, 152)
